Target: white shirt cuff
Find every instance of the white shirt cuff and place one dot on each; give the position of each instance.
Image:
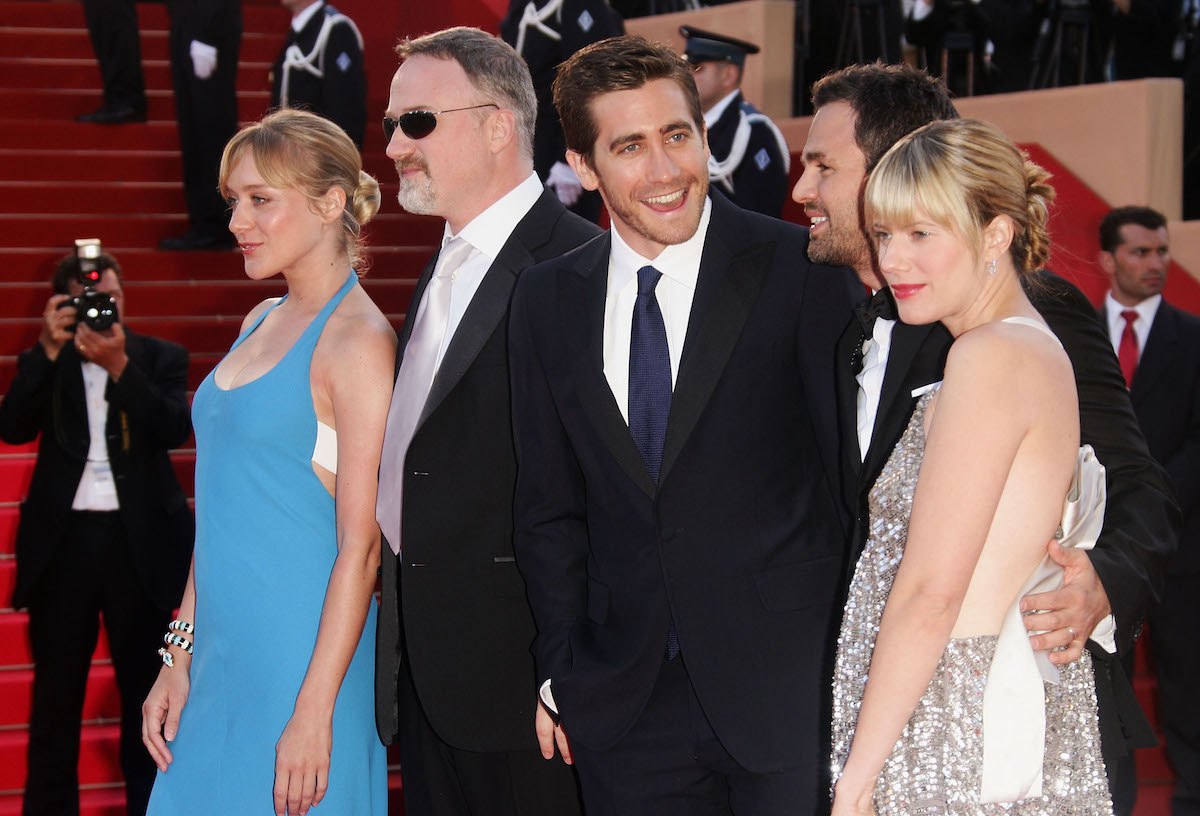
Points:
(1105, 634)
(921, 9)
(547, 696)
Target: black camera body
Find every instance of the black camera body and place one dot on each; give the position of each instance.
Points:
(96, 310)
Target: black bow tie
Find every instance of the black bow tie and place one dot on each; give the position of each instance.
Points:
(880, 304)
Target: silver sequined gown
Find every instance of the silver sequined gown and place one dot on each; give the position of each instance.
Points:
(936, 766)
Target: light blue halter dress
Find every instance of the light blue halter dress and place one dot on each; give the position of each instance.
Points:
(265, 547)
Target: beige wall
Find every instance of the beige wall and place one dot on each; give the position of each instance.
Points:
(769, 24)
(1122, 139)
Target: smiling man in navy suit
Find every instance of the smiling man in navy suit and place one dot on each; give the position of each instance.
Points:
(673, 409)
(1158, 346)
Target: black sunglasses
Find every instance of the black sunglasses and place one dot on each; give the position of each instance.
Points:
(417, 124)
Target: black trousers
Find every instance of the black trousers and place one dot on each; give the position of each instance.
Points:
(206, 111)
(441, 780)
(672, 763)
(93, 575)
(113, 26)
(1177, 664)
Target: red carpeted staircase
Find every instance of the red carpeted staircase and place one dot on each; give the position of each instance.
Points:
(60, 180)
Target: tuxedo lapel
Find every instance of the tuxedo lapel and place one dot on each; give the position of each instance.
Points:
(726, 290)
(1156, 357)
(909, 366)
(413, 307)
(847, 397)
(583, 327)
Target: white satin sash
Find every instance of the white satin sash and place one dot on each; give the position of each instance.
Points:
(1014, 701)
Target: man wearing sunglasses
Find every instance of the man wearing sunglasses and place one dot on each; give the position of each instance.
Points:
(455, 678)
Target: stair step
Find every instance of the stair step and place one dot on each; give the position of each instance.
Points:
(14, 645)
(8, 579)
(98, 756)
(105, 800)
(9, 513)
(61, 228)
(16, 471)
(1153, 765)
(141, 263)
(141, 197)
(80, 169)
(102, 700)
(62, 132)
(67, 103)
(1153, 799)
(34, 73)
(68, 43)
(266, 16)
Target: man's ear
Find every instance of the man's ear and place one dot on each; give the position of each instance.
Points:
(583, 169)
(1108, 263)
(502, 130)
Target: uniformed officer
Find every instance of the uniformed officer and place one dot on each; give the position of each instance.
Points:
(750, 159)
(321, 67)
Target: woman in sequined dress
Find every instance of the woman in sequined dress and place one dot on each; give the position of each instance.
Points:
(959, 216)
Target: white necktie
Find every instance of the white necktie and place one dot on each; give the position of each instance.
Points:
(412, 387)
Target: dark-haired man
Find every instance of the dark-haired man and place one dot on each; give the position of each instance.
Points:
(674, 422)
(749, 157)
(455, 683)
(860, 112)
(1158, 346)
(105, 528)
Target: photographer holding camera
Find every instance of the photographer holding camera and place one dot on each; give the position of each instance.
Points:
(105, 527)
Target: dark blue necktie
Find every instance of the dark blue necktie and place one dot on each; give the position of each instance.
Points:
(650, 387)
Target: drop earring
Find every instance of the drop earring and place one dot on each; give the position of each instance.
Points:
(992, 267)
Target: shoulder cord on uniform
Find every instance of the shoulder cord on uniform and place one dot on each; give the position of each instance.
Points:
(721, 171)
(537, 18)
(313, 61)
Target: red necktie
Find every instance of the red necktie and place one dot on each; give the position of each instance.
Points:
(1127, 352)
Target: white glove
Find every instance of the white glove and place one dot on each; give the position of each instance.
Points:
(565, 184)
(204, 59)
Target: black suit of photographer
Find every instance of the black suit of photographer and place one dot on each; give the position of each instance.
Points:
(129, 564)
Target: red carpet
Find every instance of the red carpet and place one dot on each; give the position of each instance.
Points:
(60, 180)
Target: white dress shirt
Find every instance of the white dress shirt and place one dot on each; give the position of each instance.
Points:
(301, 19)
(714, 113)
(680, 266)
(488, 232)
(1146, 310)
(97, 490)
(876, 349)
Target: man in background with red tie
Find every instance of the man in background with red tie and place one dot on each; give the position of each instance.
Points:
(1158, 346)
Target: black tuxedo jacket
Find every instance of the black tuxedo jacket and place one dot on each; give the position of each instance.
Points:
(1166, 399)
(1141, 519)
(341, 94)
(457, 603)
(739, 542)
(148, 414)
(762, 189)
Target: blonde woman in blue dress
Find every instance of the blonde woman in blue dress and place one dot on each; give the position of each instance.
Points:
(940, 705)
(274, 710)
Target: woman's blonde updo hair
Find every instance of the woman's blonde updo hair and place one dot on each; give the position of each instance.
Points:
(963, 173)
(300, 150)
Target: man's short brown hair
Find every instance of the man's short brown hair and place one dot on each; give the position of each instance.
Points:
(889, 102)
(622, 63)
(67, 270)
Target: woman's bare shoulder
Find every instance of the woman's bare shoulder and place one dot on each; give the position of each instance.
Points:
(257, 312)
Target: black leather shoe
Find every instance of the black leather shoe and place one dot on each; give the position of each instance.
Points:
(113, 115)
(196, 240)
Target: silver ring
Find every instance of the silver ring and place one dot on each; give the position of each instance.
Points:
(1071, 629)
